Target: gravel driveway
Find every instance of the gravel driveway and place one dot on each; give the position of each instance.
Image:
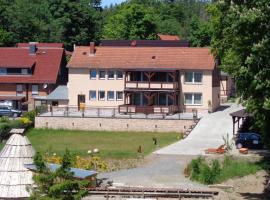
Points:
(158, 171)
(207, 134)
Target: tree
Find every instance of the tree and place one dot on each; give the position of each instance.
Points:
(132, 21)
(200, 33)
(241, 40)
(59, 184)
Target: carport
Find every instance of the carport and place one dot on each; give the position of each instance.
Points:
(16, 100)
(238, 118)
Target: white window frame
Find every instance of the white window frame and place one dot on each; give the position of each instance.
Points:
(90, 74)
(99, 74)
(101, 99)
(109, 74)
(193, 99)
(117, 75)
(34, 92)
(117, 99)
(90, 98)
(193, 78)
(108, 97)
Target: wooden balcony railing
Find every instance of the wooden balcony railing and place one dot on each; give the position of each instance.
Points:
(151, 85)
(148, 109)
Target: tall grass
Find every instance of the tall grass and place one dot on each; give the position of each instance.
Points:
(218, 171)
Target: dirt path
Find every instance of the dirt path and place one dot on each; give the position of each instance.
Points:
(250, 187)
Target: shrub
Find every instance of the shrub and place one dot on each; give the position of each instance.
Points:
(4, 130)
(216, 171)
(4, 119)
(30, 115)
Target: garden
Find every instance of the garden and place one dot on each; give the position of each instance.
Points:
(99, 150)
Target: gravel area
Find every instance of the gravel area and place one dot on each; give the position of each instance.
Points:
(158, 171)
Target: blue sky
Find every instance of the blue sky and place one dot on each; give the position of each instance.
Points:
(108, 2)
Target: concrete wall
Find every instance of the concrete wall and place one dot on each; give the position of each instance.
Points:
(80, 84)
(107, 124)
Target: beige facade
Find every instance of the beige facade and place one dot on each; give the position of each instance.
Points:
(80, 83)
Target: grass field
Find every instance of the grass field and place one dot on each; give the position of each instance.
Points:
(111, 144)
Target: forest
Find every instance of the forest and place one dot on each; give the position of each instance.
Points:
(79, 22)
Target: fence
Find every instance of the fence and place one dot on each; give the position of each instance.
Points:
(108, 112)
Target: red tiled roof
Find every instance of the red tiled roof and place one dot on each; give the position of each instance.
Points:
(42, 45)
(47, 64)
(143, 57)
(168, 37)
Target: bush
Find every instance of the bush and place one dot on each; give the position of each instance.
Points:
(30, 115)
(4, 130)
(216, 171)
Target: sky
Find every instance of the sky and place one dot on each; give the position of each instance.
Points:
(109, 2)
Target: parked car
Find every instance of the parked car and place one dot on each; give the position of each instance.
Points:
(8, 111)
(249, 140)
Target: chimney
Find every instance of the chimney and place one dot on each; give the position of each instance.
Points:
(92, 48)
(32, 48)
(133, 43)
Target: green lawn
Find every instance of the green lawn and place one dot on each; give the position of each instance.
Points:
(111, 144)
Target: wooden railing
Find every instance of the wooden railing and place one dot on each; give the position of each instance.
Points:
(148, 109)
(151, 85)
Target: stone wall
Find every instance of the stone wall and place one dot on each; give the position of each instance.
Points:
(108, 124)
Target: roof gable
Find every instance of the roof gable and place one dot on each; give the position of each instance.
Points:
(47, 63)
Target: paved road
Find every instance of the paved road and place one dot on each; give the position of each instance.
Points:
(207, 134)
(159, 171)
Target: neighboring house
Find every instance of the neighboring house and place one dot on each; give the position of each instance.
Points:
(144, 79)
(227, 87)
(30, 70)
(168, 37)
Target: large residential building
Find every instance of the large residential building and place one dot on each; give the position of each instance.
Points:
(144, 79)
(30, 70)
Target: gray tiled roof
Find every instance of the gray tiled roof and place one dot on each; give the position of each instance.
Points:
(60, 93)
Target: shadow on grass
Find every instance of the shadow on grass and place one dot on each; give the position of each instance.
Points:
(255, 196)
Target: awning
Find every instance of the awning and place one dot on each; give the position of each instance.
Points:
(11, 98)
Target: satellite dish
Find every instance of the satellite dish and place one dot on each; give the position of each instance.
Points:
(45, 85)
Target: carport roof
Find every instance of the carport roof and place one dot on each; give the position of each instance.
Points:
(240, 113)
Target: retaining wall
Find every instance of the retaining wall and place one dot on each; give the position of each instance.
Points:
(108, 124)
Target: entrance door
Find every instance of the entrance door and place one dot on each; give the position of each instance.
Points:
(81, 99)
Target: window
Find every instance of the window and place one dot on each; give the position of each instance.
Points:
(119, 96)
(102, 74)
(197, 99)
(24, 71)
(110, 95)
(119, 75)
(193, 77)
(93, 74)
(92, 95)
(34, 89)
(19, 89)
(3, 71)
(193, 99)
(110, 75)
(101, 95)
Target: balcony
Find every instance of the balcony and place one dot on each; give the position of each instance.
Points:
(151, 85)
